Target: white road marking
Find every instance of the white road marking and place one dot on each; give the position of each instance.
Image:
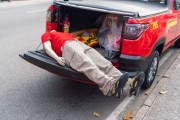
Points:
(36, 11)
(121, 107)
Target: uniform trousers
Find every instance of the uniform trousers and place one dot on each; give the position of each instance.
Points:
(90, 62)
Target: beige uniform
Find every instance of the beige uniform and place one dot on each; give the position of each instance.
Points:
(88, 61)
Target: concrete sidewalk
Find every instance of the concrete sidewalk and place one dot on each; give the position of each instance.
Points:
(164, 102)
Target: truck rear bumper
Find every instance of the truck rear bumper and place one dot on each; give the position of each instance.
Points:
(49, 64)
(133, 64)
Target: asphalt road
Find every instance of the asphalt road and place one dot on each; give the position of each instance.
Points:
(30, 93)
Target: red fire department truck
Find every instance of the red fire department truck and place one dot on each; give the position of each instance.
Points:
(149, 28)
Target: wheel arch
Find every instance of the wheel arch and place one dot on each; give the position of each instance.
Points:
(159, 45)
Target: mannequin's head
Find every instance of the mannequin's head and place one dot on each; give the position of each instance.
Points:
(111, 20)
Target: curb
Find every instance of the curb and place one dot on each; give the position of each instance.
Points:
(154, 94)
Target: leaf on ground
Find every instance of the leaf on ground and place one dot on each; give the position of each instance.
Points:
(163, 92)
(128, 116)
(165, 76)
(96, 114)
(146, 93)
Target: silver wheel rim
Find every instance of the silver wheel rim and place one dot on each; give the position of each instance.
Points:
(153, 69)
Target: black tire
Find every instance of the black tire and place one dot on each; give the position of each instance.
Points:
(151, 71)
(177, 43)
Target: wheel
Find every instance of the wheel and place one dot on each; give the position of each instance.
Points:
(151, 71)
(177, 43)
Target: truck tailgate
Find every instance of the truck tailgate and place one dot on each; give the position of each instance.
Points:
(42, 60)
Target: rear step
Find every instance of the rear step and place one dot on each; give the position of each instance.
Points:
(42, 60)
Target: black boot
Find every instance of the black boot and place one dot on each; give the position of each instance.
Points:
(120, 83)
(136, 84)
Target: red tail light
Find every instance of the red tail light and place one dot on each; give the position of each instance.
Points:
(50, 13)
(51, 19)
(133, 31)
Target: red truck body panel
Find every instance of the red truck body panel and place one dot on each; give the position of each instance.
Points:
(166, 25)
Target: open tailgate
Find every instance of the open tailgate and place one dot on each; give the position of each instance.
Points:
(42, 60)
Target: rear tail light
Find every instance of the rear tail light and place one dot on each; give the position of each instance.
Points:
(133, 31)
(51, 14)
(51, 19)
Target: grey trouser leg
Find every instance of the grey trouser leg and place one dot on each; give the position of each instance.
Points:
(86, 60)
(103, 64)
